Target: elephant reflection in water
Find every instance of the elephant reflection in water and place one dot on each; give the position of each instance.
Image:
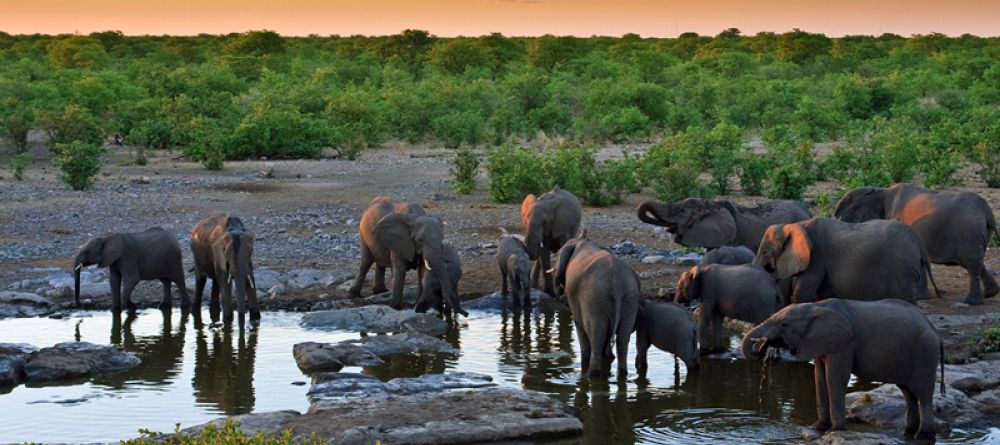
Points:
(523, 334)
(161, 353)
(223, 372)
(606, 411)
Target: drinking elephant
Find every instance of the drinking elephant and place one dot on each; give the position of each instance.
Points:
(670, 328)
(728, 255)
(549, 222)
(955, 226)
(223, 251)
(432, 294)
(515, 269)
(834, 259)
(888, 341)
(695, 222)
(743, 292)
(152, 254)
(603, 295)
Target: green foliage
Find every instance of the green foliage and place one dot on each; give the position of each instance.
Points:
(792, 170)
(456, 127)
(71, 124)
(278, 132)
(990, 339)
(18, 163)
(78, 163)
(226, 434)
(981, 139)
(624, 174)
(680, 180)
(514, 172)
(753, 173)
(464, 169)
(208, 142)
(78, 52)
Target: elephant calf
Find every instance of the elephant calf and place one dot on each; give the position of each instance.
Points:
(432, 294)
(743, 292)
(603, 295)
(515, 269)
(152, 254)
(729, 255)
(223, 251)
(888, 341)
(670, 328)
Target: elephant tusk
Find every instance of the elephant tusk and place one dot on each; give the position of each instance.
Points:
(230, 280)
(252, 284)
(427, 264)
(78, 266)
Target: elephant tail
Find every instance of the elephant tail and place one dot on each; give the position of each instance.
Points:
(941, 349)
(930, 276)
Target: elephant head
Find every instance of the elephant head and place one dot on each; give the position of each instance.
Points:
(103, 251)
(688, 286)
(784, 251)
(693, 221)
(416, 237)
(807, 330)
(234, 252)
(563, 257)
(533, 223)
(861, 204)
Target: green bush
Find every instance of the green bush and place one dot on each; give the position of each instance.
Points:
(456, 127)
(575, 169)
(680, 180)
(898, 147)
(208, 142)
(792, 171)
(279, 132)
(464, 169)
(18, 163)
(981, 140)
(514, 172)
(753, 173)
(624, 174)
(226, 434)
(70, 124)
(79, 162)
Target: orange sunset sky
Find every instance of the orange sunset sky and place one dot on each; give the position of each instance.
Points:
(651, 18)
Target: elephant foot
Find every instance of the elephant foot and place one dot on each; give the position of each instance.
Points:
(821, 426)
(595, 373)
(132, 307)
(164, 305)
(973, 300)
(377, 290)
(991, 292)
(254, 316)
(924, 435)
(622, 373)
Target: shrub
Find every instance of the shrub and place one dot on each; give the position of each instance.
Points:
(18, 163)
(723, 146)
(456, 127)
(624, 174)
(514, 172)
(981, 139)
(278, 132)
(575, 169)
(791, 172)
(679, 180)
(464, 169)
(896, 144)
(70, 124)
(208, 142)
(226, 434)
(79, 162)
(624, 124)
(753, 172)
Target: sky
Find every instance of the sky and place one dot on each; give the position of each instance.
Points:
(648, 18)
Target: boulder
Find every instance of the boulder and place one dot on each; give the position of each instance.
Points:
(72, 360)
(407, 342)
(266, 279)
(250, 424)
(316, 357)
(24, 298)
(333, 386)
(439, 382)
(376, 319)
(409, 297)
(12, 358)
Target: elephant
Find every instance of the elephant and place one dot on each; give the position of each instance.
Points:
(742, 292)
(152, 254)
(888, 341)
(404, 237)
(670, 328)
(549, 220)
(431, 294)
(515, 269)
(955, 226)
(728, 255)
(603, 294)
(828, 258)
(695, 222)
(223, 251)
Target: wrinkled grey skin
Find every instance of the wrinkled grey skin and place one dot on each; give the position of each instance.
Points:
(835, 259)
(742, 292)
(887, 341)
(432, 295)
(402, 236)
(955, 226)
(603, 295)
(152, 254)
(223, 251)
(670, 328)
(549, 222)
(515, 269)
(729, 255)
(695, 222)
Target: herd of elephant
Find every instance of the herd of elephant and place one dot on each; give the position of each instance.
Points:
(767, 265)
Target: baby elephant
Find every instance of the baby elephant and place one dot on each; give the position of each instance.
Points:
(515, 268)
(889, 341)
(432, 294)
(729, 255)
(603, 295)
(670, 328)
(223, 251)
(132, 257)
(741, 292)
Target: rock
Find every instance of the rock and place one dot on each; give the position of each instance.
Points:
(666, 293)
(142, 180)
(24, 298)
(884, 407)
(653, 259)
(377, 319)
(73, 360)
(989, 402)
(276, 291)
(305, 278)
(856, 438)
(959, 305)
(625, 248)
(332, 386)
(316, 357)
(439, 382)
(409, 297)
(407, 342)
(251, 424)
(12, 358)
(266, 279)
(990, 356)
(93, 291)
(688, 259)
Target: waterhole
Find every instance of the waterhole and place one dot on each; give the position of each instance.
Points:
(190, 375)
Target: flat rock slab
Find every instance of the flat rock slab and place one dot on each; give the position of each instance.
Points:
(12, 359)
(384, 298)
(376, 319)
(485, 415)
(316, 357)
(330, 386)
(407, 342)
(73, 360)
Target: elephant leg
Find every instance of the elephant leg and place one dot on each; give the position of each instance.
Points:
(366, 263)
(822, 397)
(398, 281)
(990, 287)
(912, 411)
(705, 340)
(199, 289)
(536, 274)
(116, 291)
(584, 340)
(422, 303)
(165, 301)
(838, 374)
(227, 300)
(622, 337)
(503, 283)
(213, 300)
(182, 288)
(641, 350)
(378, 285)
(254, 306)
(127, 287)
(718, 346)
(925, 399)
(546, 266)
(599, 350)
(975, 295)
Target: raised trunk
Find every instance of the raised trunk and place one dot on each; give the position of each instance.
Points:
(754, 343)
(651, 212)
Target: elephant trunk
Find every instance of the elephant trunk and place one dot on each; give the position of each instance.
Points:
(533, 239)
(755, 342)
(77, 269)
(448, 292)
(649, 212)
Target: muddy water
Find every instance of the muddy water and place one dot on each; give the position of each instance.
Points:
(193, 374)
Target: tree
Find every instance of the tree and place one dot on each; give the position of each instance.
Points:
(78, 52)
(455, 56)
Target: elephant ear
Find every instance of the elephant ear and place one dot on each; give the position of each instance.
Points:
(688, 286)
(712, 227)
(111, 249)
(562, 262)
(526, 206)
(395, 233)
(796, 251)
(827, 331)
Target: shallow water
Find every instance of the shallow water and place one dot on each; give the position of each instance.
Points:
(191, 375)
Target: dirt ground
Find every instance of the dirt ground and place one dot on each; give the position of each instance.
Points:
(305, 216)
